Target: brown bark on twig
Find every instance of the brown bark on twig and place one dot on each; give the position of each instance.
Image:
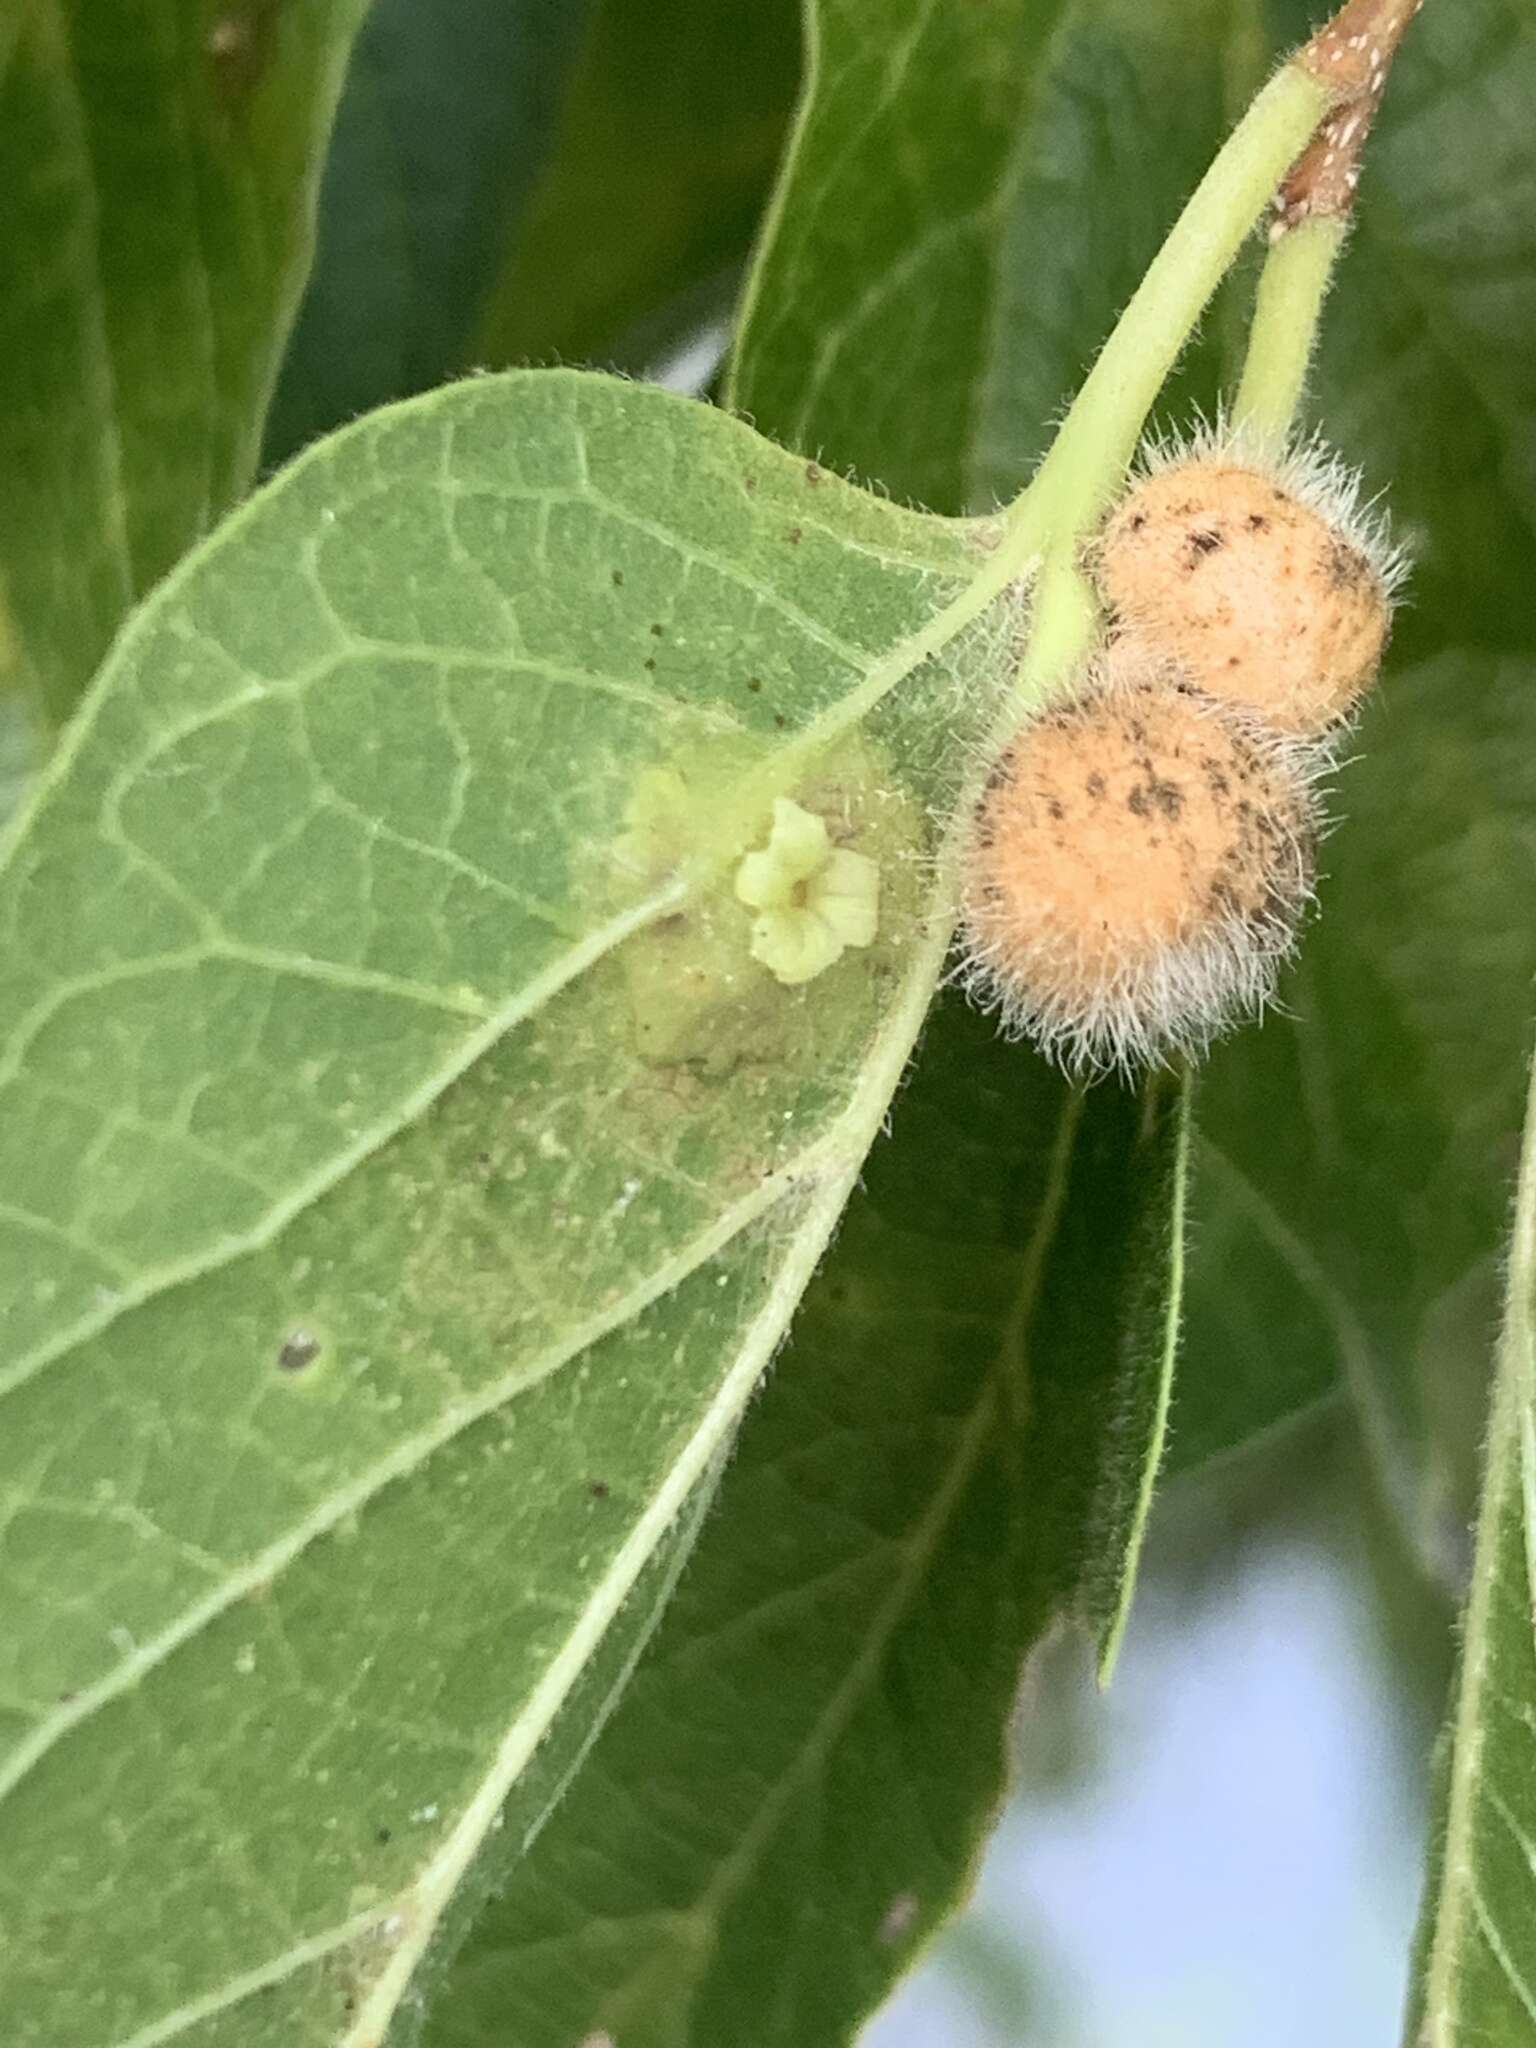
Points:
(1352, 57)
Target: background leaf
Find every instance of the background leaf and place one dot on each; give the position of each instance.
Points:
(159, 163)
(440, 138)
(550, 179)
(971, 200)
(1476, 1979)
(407, 1171)
(1359, 1147)
(669, 131)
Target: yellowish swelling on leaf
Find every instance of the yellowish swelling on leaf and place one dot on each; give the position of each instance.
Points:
(813, 899)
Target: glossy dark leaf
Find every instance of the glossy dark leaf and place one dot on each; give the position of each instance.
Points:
(441, 137)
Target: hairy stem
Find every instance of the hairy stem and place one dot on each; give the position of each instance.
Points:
(1312, 212)
(1286, 315)
(1098, 438)
(1304, 133)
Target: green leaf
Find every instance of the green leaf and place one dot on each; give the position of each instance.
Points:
(669, 130)
(408, 1172)
(1476, 1976)
(440, 138)
(159, 160)
(790, 1797)
(1359, 1143)
(533, 182)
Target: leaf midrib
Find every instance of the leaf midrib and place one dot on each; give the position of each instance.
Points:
(1509, 1441)
(996, 569)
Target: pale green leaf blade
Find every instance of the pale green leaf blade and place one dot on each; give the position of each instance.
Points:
(370, 1471)
(1476, 1976)
(159, 160)
(348, 769)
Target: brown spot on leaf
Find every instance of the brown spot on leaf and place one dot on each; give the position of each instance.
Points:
(300, 1348)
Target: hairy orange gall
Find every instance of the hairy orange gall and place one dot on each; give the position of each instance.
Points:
(1137, 871)
(1261, 582)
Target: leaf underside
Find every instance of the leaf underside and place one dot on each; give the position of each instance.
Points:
(447, 1169)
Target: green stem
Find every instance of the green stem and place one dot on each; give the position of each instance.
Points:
(1286, 314)
(1093, 450)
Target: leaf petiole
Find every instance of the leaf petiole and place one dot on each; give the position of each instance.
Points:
(1287, 313)
(1098, 437)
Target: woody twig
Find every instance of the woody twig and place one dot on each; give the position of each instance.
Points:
(1351, 57)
